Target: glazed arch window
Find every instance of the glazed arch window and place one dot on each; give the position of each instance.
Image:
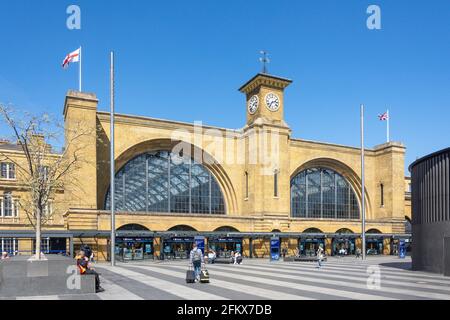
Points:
(322, 193)
(163, 181)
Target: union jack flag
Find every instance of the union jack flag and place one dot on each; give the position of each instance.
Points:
(384, 116)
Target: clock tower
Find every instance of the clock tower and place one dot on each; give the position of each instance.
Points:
(266, 137)
(265, 99)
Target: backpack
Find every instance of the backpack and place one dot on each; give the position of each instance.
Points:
(197, 255)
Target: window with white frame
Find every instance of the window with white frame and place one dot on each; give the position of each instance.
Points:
(7, 171)
(9, 208)
(9, 245)
(48, 209)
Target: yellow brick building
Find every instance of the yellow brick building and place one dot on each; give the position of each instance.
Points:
(237, 188)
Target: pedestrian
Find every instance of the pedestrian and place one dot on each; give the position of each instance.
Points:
(211, 256)
(232, 257)
(5, 255)
(319, 257)
(238, 258)
(358, 253)
(196, 260)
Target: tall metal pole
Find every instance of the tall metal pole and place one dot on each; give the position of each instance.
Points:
(112, 191)
(79, 74)
(388, 134)
(363, 191)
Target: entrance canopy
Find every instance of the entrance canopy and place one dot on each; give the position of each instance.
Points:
(144, 233)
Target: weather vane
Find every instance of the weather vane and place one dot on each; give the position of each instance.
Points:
(264, 60)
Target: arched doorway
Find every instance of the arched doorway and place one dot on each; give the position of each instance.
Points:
(310, 242)
(133, 243)
(182, 227)
(223, 244)
(178, 244)
(133, 227)
(374, 242)
(343, 243)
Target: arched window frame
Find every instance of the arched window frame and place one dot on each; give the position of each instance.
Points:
(181, 202)
(303, 182)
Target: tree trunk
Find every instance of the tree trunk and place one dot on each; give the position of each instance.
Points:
(38, 234)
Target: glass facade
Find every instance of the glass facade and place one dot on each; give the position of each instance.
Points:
(320, 193)
(164, 182)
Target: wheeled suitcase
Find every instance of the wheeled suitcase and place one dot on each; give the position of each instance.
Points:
(190, 276)
(204, 276)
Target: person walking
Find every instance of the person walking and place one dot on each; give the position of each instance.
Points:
(319, 257)
(358, 253)
(196, 260)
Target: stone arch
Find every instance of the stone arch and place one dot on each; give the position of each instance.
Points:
(226, 229)
(374, 231)
(345, 171)
(201, 156)
(133, 227)
(312, 230)
(182, 227)
(344, 231)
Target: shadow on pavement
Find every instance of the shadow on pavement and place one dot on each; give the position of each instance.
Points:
(404, 265)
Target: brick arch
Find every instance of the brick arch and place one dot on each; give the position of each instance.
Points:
(345, 171)
(201, 156)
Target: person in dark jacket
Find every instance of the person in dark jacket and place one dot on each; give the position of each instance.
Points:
(85, 267)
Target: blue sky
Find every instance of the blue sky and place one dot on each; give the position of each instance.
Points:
(185, 60)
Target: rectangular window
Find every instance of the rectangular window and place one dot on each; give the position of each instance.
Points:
(275, 183)
(4, 170)
(246, 185)
(9, 245)
(382, 194)
(7, 170)
(7, 205)
(12, 171)
(16, 208)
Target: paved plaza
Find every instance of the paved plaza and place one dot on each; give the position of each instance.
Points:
(339, 278)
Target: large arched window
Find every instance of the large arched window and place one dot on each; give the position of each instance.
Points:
(322, 193)
(164, 182)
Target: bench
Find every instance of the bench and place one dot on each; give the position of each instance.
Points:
(58, 275)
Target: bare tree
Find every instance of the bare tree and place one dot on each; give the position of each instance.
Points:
(42, 171)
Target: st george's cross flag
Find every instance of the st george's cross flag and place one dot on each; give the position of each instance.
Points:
(72, 57)
(384, 116)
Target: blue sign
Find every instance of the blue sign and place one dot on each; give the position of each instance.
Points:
(275, 249)
(402, 249)
(200, 241)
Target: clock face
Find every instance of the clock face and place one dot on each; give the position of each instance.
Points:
(253, 104)
(272, 102)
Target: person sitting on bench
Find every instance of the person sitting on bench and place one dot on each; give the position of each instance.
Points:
(85, 267)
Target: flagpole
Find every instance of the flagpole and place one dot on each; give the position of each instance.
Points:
(112, 189)
(79, 75)
(388, 128)
(363, 198)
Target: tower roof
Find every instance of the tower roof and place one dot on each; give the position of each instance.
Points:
(265, 79)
